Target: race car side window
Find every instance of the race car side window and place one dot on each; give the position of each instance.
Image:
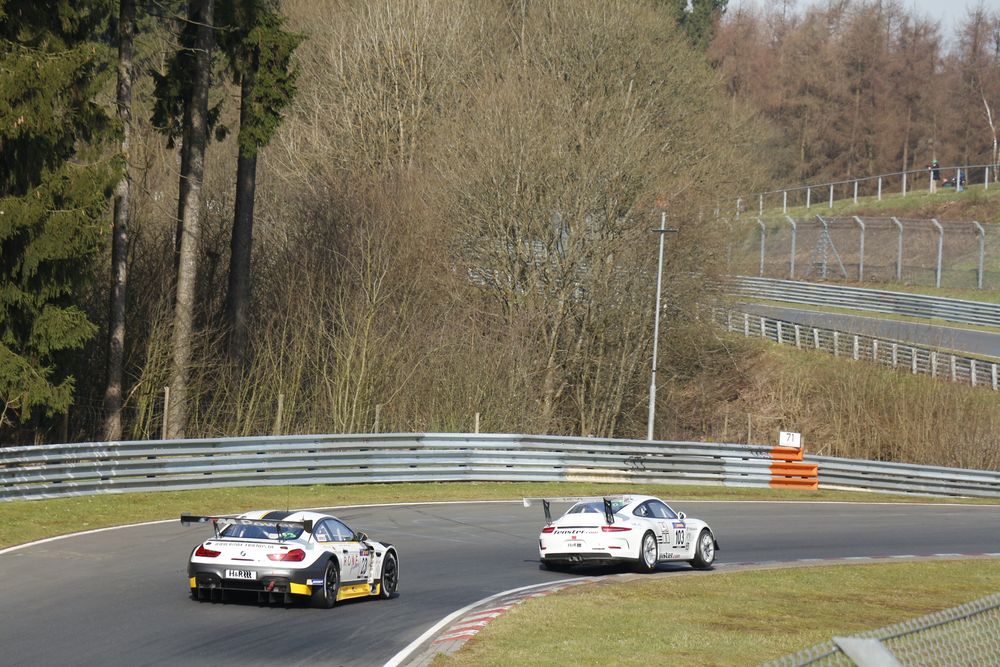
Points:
(322, 533)
(642, 510)
(660, 510)
(339, 532)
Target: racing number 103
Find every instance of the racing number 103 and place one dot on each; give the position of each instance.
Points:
(679, 536)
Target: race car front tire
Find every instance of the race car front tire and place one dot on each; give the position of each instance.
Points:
(649, 553)
(390, 576)
(704, 550)
(325, 596)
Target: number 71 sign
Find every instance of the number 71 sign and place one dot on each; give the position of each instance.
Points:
(790, 439)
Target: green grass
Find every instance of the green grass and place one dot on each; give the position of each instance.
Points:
(25, 521)
(918, 202)
(723, 618)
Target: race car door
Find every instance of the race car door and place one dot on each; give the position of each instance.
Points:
(674, 533)
(353, 555)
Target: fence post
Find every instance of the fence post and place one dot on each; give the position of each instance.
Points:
(933, 364)
(762, 234)
(166, 411)
(763, 328)
(760, 208)
(904, 183)
(791, 257)
(954, 369)
(913, 360)
(779, 331)
(836, 344)
(477, 423)
(784, 201)
(855, 348)
(895, 355)
(879, 188)
(855, 192)
(875, 350)
(815, 338)
(940, 248)
(831, 195)
(378, 410)
(739, 205)
(276, 429)
(982, 253)
(899, 251)
(798, 336)
(861, 251)
(746, 325)
(972, 371)
(986, 181)
(993, 375)
(808, 196)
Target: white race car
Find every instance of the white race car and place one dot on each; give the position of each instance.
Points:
(283, 556)
(641, 530)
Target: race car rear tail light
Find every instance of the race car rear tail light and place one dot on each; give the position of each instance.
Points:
(549, 529)
(295, 555)
(615, 529)
(202, 552)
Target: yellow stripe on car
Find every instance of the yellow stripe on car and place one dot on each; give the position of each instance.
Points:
(299, 589)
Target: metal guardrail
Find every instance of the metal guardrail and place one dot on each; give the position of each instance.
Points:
(964, 635)
(873, 300)
(54, 471)
(895, 354)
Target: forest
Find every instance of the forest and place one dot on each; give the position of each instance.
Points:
(236, 217)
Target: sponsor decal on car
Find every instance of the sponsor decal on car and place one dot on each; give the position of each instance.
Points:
(678, 524)
(314, 582)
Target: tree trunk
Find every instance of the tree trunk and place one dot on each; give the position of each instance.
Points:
(238, 299)
(196, 139)
(119, 235)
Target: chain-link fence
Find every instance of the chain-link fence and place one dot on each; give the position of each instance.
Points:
(869, 249)
(965, 636)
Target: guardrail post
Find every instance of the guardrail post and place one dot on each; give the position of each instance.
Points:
(763, 328)
(778, 323)
(791, 257)
(879, 188)
(940, 249)
(972, 371)
(746, 325)
(836, 344)
(815, 338)
(899, 251)
(954, 369)
(933, 364)
(798, 336)
(895, 355)
(854, 348)
(913, 360)
(784, 201)
(861, 250)
(831, 195)
(993, 375)
(982, 253)
(875, 349)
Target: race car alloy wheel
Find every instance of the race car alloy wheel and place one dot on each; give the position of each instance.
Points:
(648, 553)
(325, 596)
(704, 553)
(390, 576)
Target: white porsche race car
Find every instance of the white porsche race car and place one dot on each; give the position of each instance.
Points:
(282, 556)
(641, 530)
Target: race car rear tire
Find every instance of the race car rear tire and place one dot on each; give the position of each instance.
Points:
(325, 596)
(649, 553)
(704, 550)
(390, 576)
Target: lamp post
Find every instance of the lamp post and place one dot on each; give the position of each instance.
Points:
(663, 231)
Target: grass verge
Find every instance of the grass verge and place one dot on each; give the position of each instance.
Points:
(26, 521)
(725, 618)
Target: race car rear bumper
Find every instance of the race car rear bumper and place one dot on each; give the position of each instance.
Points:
(582, 558)
(209, 582)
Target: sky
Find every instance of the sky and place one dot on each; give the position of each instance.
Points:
(945, 12)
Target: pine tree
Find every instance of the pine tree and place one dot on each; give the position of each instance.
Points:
(260, 54)
(55, 182)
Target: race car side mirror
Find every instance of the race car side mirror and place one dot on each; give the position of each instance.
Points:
(362, 537)
(681, 516)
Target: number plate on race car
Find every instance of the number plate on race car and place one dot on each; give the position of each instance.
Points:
(241, 574)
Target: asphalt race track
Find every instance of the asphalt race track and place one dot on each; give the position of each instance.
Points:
(951, 338)
(120, 597)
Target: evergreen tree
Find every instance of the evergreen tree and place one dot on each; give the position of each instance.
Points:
(260, 54)
(697, 18)
(55, 183)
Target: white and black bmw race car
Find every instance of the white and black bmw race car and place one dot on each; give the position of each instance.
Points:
(283, 556)
(641, 530)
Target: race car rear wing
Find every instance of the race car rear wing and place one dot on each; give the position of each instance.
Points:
(188, 519)
(609, 514)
